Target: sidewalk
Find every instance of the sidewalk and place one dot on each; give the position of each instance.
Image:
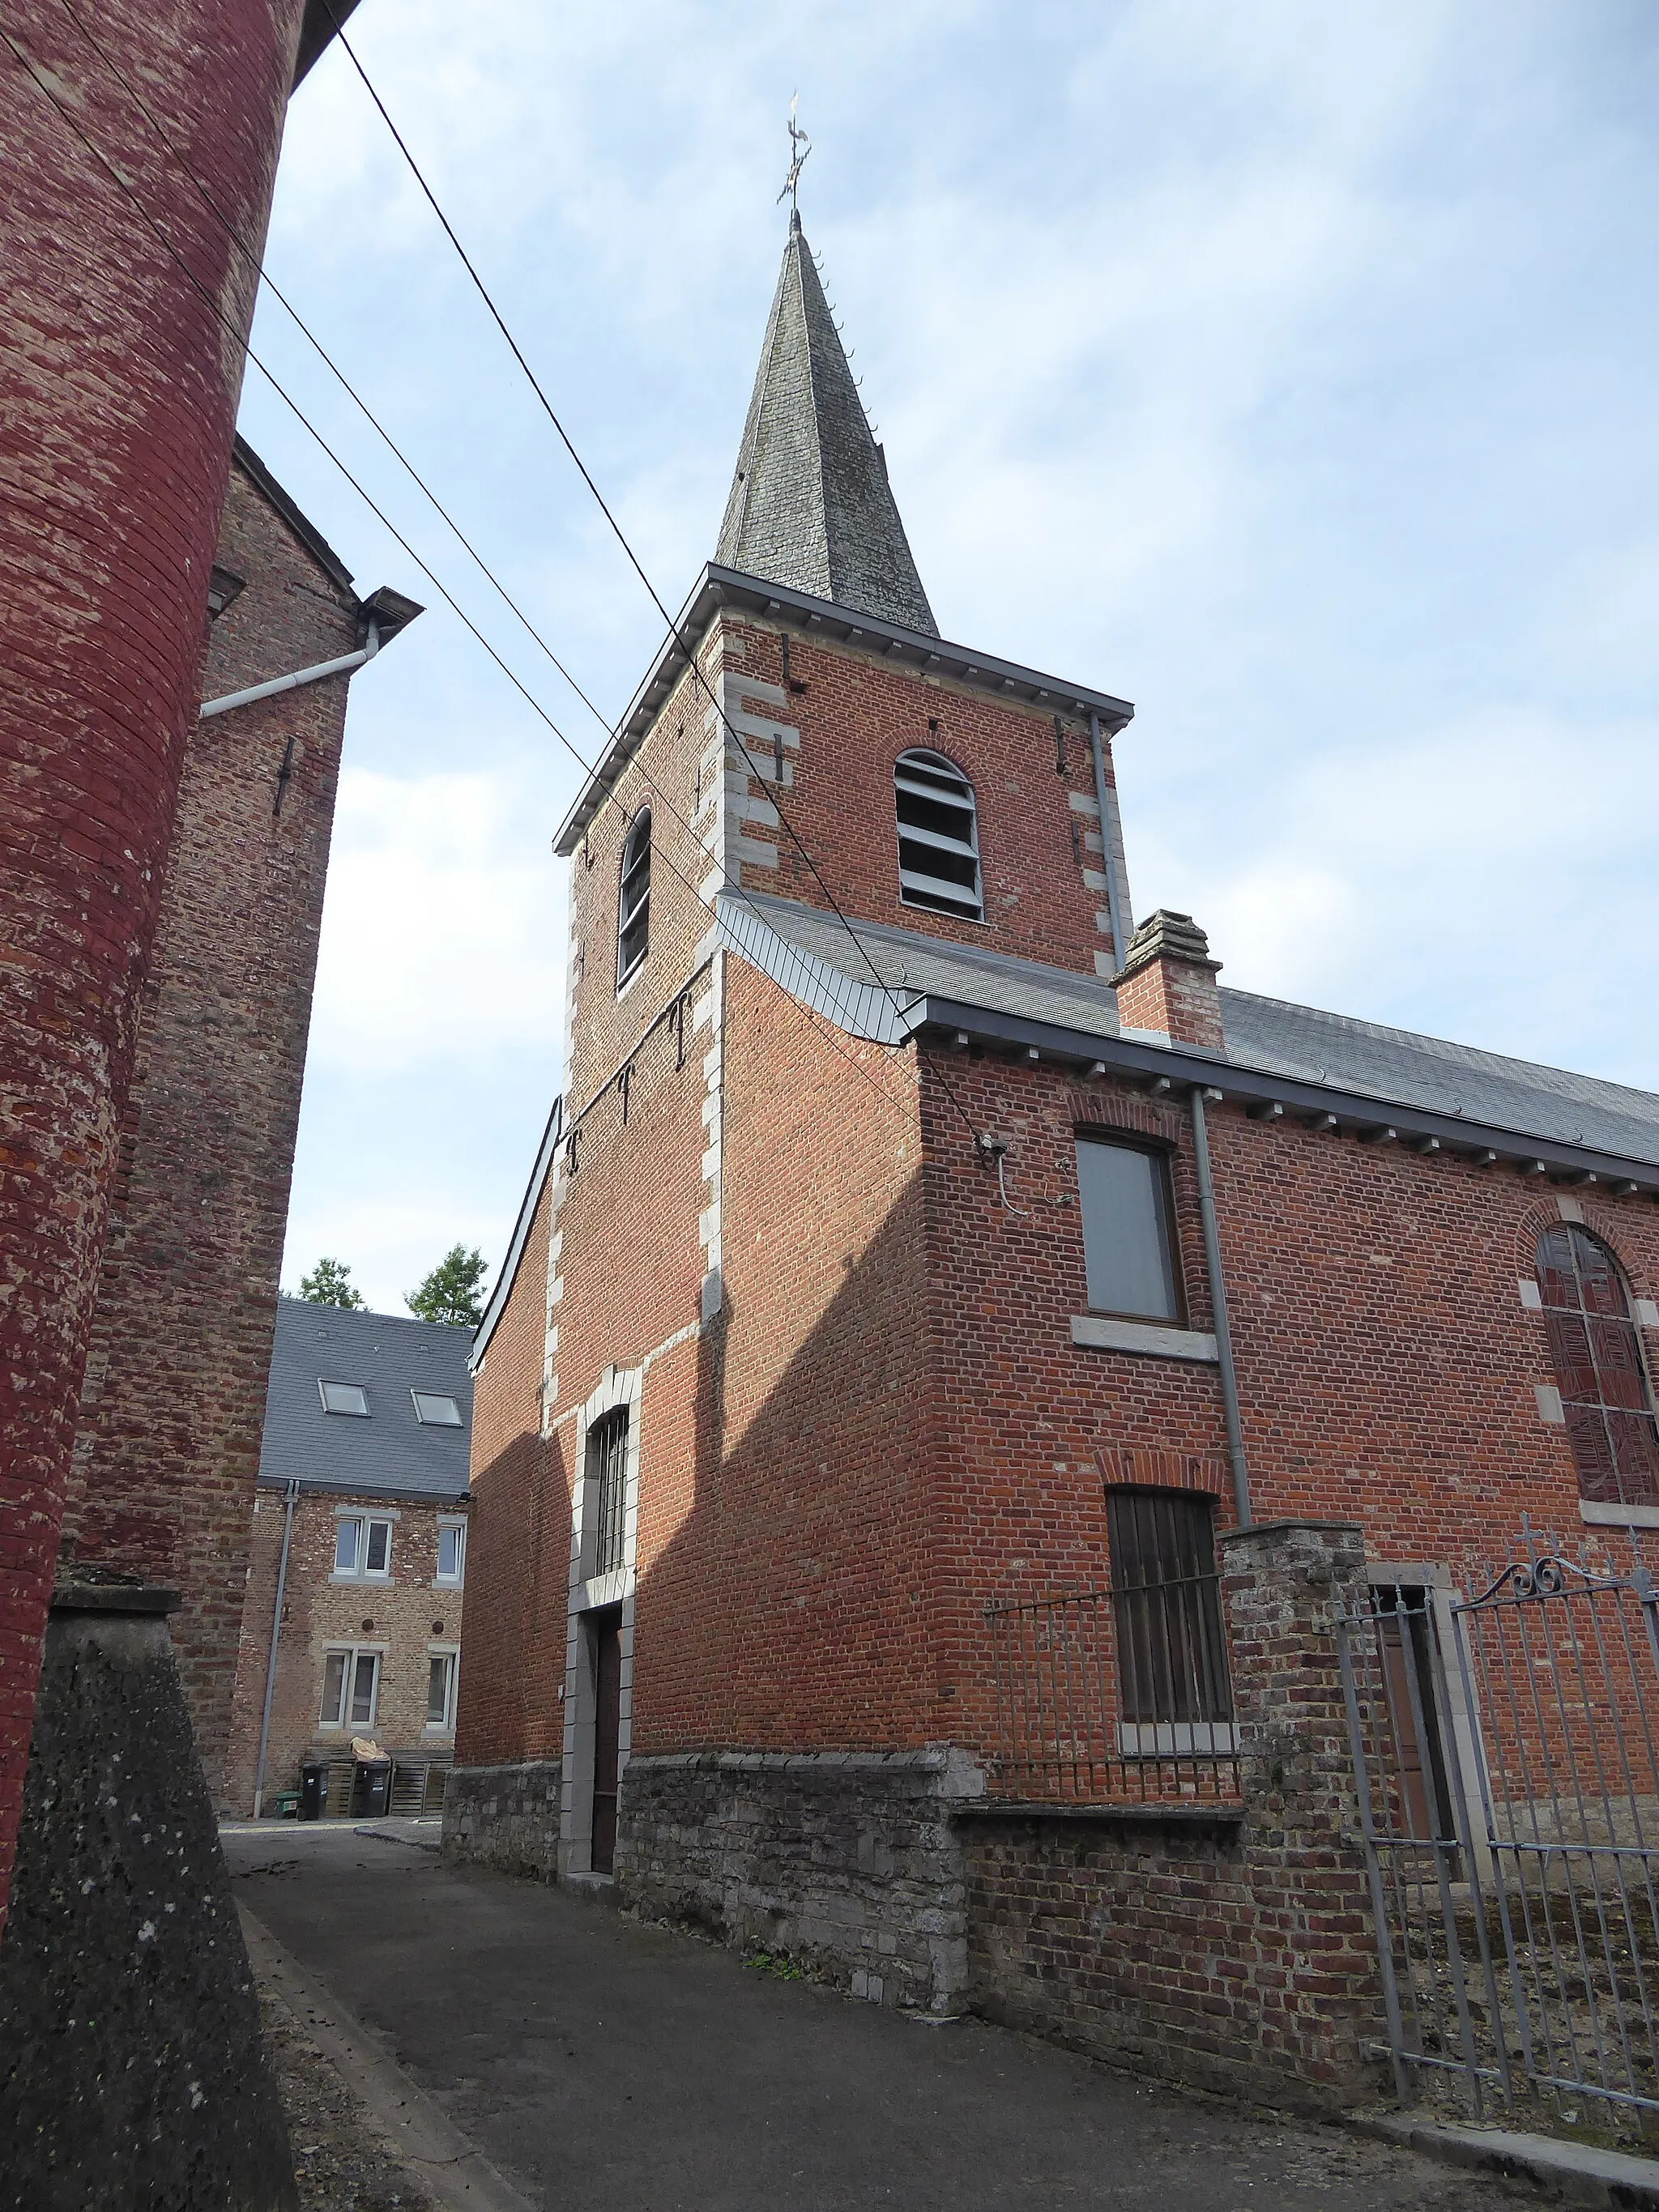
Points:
(626, 2068)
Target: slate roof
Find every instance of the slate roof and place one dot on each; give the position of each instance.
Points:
(390, 1455)
(933, 979)
(810, 506)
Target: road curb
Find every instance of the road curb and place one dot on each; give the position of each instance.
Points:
(450, 2167)
(1575, 2173)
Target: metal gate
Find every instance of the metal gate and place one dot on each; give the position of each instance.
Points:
(1506, 1749)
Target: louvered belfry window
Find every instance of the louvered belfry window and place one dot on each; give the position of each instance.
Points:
(634, 898)
(938, 837)
(1598, 1369)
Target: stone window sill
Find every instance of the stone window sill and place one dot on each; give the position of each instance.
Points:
(1618, 1516)
(1103, 1333)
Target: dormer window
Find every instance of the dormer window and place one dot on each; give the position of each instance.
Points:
(938, 837)
(634, 898)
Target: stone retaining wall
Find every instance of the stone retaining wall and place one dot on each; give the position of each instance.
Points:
(848, 1862)
(505, 1817)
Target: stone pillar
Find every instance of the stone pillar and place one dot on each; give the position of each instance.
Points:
(1317, 1980)
(133, 2072)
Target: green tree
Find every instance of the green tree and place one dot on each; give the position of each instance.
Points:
(450, 1292)
(330, 1284)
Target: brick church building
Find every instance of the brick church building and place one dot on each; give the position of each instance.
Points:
(921, 1247)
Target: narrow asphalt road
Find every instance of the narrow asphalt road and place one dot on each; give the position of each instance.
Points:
(624, 2068)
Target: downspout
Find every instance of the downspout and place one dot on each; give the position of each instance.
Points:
(343, 666)
(1108, 842)
(275, 1638)
(1223, 1341)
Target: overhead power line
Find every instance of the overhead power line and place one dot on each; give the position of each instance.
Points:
(213, 303)
(621, 536)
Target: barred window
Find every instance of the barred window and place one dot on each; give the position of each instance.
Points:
(634, 898)
(1598, 1367)
(938, 837)
(607, 1469)
(1171, 1652)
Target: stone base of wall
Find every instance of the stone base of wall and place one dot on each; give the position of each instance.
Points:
(847, 1862)
(505, 1817)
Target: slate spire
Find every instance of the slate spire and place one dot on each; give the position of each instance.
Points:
(810, 506)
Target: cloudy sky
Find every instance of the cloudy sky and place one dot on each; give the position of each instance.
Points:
(1284, 366)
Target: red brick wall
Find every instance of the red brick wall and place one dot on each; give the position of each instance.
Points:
(1386, 1366)
(856, 715)
(403, 1616)
(167, 1447)
(119, 388)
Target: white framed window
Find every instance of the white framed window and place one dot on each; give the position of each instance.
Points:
(443, 1679)
(351, 1686)
(451, 1553)
(938, 837)
(363, 1548)
(344, 1398)
(433, 1410)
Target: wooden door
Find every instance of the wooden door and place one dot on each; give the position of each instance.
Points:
(606, 1632)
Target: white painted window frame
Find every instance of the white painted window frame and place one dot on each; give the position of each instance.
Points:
(457, 1580)
(351, 1653)
(362, 1572)
(452, 1653)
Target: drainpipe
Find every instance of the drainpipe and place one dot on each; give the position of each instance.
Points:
(1108, 843)
(275, 1638)
(343, 666)
(1223, 1341)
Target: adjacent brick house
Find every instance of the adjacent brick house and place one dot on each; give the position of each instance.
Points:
(921, 1248)
(166, 1448)
(360, 1518)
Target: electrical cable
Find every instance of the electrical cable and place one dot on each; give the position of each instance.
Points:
(251, 257)
(809, 1013)
(620, 536)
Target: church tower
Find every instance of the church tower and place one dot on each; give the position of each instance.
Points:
(712, 1447)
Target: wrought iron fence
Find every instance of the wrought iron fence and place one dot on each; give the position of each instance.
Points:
(1117, 1693)
(1508, 1795)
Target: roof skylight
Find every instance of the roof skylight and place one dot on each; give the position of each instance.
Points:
(434, 1411)
(344, 1398)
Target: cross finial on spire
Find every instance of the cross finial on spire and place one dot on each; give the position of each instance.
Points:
(799, 147)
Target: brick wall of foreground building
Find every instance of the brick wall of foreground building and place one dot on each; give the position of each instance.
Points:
(407, 1618)
(167, 1447)
(112, 484)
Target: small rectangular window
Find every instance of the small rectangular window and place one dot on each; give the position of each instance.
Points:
(351, 1688)
(434, 1410)
(607, 1468)
(451, 1551)
(377, 1553)
(348, 1546)
(1126, 1242)
(344, 1398)
(1166, 1602)
(441, 1691)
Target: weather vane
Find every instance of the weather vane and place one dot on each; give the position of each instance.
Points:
(799, 147)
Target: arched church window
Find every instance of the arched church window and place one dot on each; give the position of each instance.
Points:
(1598, 1367)
(938, 837)
(634, 898)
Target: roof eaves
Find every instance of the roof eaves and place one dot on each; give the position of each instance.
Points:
(515, 1250)
(718, 587)
(297, 521)
(1189, 1068)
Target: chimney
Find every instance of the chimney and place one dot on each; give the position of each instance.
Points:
(1167, 982)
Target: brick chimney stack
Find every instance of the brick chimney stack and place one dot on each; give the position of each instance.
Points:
(1167, 981)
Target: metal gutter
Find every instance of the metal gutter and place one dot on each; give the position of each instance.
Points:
(1224, 1337)
(1182, 1066)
